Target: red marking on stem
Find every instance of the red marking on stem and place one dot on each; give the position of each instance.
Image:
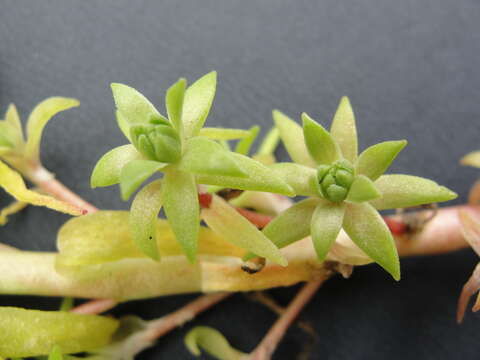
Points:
(395, 226)
(205, 200)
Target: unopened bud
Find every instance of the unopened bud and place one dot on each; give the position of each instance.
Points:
(335, 180)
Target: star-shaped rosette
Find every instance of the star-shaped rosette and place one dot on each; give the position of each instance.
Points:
(345, 190)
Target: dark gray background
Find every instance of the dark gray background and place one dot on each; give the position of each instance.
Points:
(410, 69)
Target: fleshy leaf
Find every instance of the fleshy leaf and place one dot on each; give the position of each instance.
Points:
(260, 178)
(326, 224)
(375, 160)
(11, 209)
(362, 189)
(301, 178)
(174, 103)
(471, 159)
(39, 117)
(13, 184)
(143, 218)
(368, 231)
(223, 133)
(320, 144)
(180, 199)
(28, 333)
(67, 304)
(244, 145)
(123, 125)
(470, 230)
(344, 130)
(205, 156)
(12, 118)
(269, 143)
(292, 136)
(213, 342)
(197, 103)
(135, 173)
(134, 107)
(8, 134)
(227, 222)
(56, 353)
(108, 169)
(399, 191)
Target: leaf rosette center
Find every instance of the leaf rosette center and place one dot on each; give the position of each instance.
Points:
(335, 180)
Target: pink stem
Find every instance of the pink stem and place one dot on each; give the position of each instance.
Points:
(95, 307)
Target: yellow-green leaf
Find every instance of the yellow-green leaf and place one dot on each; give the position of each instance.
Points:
(13, 119)
(362, 189)
(174, 102)
(300, 178)
(320, 144)
(56, 353)
(471, 159)
(327, 220)
(213, 342)
(244, 145)
(223, 133)
(135, 173)
(344, 130)
(123, 125)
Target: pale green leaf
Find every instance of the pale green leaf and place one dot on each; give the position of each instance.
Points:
(56, 353)
(13, 119)
(123, 125)
(197, 103)
(206, 157)
(244, 145)
(143, 218)
(67, 304)
(180, 201)
(174, 102)
(399, 191)
(108, 169)
(269, 143)
(223, 133)
(135, 173)
(28, 333)
(260, 178)
(368, 231)
(8, 135)
(300, 178)
(327, 220)
(292, 136)
(471, 159)
(11, 209)
(362, 189)
(12, 183)
(344, 130)
(39, 117)
(4, 150)
(320, 144)
(375, 160)
(213, 342)
(227, 222)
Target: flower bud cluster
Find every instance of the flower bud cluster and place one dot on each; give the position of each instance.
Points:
(335, 180)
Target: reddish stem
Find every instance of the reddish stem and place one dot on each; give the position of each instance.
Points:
(95, 307)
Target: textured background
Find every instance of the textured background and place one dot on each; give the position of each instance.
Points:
(409, 67)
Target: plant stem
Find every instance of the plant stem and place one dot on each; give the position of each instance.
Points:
(95, 307)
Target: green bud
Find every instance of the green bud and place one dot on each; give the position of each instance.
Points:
(335, 180)
(157, 141)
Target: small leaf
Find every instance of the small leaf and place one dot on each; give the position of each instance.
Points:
(223, 133)
(143, 218)
(13, 184)
(123, 125)
(174, 103)
(244, 145)
(368, 231)
(469, 289)
(135, 173)
(8, 135)
(134, 107)
(320, 144)
(108, 169)
(471, 159)
(206, 157)
(11, 209)
(213, 342)
(344, 130)
(326, 224)
(180, 199)
(13, 119)
(269, 143)
(260, 178)
(399, 191)
(301, 178)
(197, 103)
(470, 230)
(227, 222)
(67, 304)
(292, 136)
(362, 189)
(375, 160)
(56, 353)
(40, 116)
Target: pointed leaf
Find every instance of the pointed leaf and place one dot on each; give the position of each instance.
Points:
(320, 144)
(180, 199)
(143, 218)
(135, 173)
(368, 231)
(123, 125)
(8, 135)
(13, 119)
(326, 224)
(227, 222)
(300, 178)
(13, 184)
(260, 178)
(197, 103)
(40, 116)
(375, 160)
(223, 133)
(362, 189)
(470, 230)
(399, 191)
(213, 342)
(344, 130)
(469, 289)
(174, 103)
(206, 157)
(244, 145)
(471, 159)
(108, 168)
(269, 143)
(292, 136)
